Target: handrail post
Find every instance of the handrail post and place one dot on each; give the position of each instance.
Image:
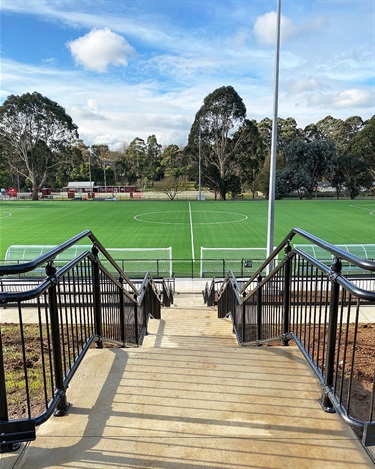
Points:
(122, 313)
(259, 310)
(332, 330)
(286, 296)
(96, 297)
(243, 316)
(136, 318)
(63, 405)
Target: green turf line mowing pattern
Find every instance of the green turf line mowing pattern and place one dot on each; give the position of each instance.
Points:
(183, 225)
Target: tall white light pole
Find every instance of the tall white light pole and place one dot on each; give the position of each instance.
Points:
(199, 167)
(91, 190)
(105, 178)
(271, 192)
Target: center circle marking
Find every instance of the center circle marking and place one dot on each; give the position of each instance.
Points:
(140, 217)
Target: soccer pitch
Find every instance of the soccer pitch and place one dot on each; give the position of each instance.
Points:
(184, 225)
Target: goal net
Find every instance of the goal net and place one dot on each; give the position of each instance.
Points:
(365, 251)
(242, 261)
(133, 261)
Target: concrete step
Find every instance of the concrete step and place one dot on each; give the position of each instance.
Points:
(190, 327)
(191, 398)
(179, 408)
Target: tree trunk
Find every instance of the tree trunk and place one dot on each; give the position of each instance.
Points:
(222, 189)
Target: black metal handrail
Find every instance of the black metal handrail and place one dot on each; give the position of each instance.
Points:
(303, 299)
(29, 266)
(77, 305)
(24, 267)
(364, 264)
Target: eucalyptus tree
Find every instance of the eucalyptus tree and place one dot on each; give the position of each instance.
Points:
(174, 162)
(362, 145)
(76, 167)
(34, 133)
(250, 153)
(136, 156)
(352, 173)
(315, 159)
(220, 117)
(152, 159)
(287, 131)
(340, 131)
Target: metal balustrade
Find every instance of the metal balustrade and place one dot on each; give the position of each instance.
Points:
(76, 306)
(319, 308)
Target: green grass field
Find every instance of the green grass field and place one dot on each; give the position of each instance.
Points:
(183, 225)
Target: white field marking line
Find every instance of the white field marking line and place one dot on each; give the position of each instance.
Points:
(370, 210)
(9, 214)
(191, 233)
(139, 215)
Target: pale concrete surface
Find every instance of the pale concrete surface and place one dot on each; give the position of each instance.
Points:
(192, 399)
(30, 315)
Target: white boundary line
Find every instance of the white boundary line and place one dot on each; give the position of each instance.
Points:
(191, 233)
(7, 214)
(370, 210)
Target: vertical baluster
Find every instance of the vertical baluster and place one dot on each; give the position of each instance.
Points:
(63, 405)
(332, 329)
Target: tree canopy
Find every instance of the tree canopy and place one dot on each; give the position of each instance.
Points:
(222, 138)
(34, 134)
(39, 145)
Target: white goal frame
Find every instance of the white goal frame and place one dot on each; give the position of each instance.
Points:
(21, 253)
(226, 254)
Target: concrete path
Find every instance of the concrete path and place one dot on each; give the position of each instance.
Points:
(190, 398)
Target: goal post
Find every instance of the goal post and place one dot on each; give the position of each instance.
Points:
(242, 261)
(157, 261)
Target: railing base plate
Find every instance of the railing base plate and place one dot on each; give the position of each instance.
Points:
(327, 408)
(62, 411)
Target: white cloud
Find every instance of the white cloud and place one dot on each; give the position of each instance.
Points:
(353, 98)
(52, 61)
(304, 85)
(265, 28)
(100, 48)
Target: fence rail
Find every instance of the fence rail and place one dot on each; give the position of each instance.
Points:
(79, 305)
(320, 309)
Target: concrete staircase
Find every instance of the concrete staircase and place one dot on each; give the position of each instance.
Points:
(191, 398)
(188, 323)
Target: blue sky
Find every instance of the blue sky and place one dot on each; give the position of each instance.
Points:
(132, 68)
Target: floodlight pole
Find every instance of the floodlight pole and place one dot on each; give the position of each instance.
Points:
(199, 166)
(90, 175)
(105, 178)
(271, 192)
